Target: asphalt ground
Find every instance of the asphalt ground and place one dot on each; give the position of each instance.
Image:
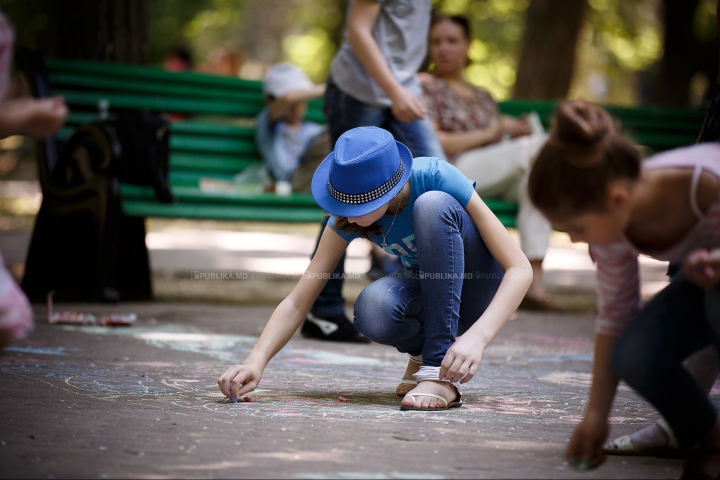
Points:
(142, 402)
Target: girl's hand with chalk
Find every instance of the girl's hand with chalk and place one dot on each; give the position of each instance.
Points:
(239, 380)
(702, 267)
(583, 451)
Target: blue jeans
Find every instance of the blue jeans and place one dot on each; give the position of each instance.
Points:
(681, 319)
(422, 312)
(344, 113)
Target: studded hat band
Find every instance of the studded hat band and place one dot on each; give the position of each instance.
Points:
(356, 198)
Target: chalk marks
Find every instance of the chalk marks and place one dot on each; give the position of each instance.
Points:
(36, 351)
(518, 382)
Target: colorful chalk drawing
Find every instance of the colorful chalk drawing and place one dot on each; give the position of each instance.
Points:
(304, 382)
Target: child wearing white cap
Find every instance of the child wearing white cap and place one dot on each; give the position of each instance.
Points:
(290, 145)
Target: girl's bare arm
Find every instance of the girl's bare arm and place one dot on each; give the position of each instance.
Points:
(286, 318)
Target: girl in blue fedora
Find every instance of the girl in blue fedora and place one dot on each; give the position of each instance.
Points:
(464, 275)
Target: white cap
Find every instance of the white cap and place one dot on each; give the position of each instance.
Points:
(285, 77)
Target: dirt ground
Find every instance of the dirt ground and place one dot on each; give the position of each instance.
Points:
(142, 402)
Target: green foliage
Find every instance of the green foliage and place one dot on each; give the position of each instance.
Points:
(31, 20)
(199, 24)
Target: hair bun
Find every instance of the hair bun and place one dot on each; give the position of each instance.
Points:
(583, 131)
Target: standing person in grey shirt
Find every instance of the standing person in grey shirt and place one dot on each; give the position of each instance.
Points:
(373, 82)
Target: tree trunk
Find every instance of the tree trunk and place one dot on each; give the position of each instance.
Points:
(684, 54)
(106, 30)
(547, 59)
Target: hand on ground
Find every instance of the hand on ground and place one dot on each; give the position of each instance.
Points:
(443, 389)
(586, 442)
(239, 380)
(407, 108)
(702, 267)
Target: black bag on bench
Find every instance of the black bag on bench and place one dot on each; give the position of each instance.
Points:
(134, 148)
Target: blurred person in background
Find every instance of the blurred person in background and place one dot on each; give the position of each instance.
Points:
(178, 59)
(373, 82)
(291, 146)
(39, 119)
(467, 121)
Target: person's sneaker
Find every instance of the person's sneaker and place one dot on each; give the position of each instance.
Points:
(335, 329)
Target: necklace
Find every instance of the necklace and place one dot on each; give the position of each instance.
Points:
(397, 212)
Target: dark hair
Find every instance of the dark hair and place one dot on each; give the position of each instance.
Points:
(342, 224)
(181, 53)
(584, 154)
(458, 20)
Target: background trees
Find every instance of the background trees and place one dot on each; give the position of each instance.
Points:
(611, 51)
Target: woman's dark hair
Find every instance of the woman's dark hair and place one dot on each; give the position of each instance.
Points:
(584, 154)
(181, 53)
(458, 20)
(342, 224)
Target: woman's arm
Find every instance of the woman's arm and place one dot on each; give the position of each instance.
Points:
(286, 318)
(463, 358)
(405, 106)
(588, 438)
(458, 142)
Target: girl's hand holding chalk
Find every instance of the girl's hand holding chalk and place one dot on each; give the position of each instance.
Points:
(584, 449)
(702, 267)
(239, 380)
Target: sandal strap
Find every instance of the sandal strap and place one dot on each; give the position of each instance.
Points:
(623, 444)
(672, 439)
(428, 395)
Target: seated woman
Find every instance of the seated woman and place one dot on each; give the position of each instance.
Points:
(463, 280)
(466, 119)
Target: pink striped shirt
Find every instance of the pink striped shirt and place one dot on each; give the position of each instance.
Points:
(617, 263)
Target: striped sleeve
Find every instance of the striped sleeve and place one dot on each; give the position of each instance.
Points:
(618, 276)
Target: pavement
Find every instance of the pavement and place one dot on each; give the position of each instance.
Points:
(142, 402)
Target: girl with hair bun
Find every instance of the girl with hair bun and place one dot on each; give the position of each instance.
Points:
(591, 182)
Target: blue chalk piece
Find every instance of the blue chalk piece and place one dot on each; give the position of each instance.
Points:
(234, 400)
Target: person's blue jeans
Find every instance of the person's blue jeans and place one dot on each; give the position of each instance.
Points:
(344, 113)
(423, 311)
(681, 319)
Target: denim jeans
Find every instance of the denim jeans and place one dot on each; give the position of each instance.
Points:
(681, 319)
(423, 311)
(344, 113)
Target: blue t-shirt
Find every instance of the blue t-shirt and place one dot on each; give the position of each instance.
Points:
(427, 174)
(282, 147)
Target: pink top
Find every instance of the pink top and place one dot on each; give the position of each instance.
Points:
(7, 36)
(617, 263)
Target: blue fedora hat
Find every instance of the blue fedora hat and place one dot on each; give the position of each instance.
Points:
(367, 168)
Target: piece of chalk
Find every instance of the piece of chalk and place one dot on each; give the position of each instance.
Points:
(234, 400)
(342, 399)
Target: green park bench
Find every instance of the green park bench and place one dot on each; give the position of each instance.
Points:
(216, 140)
